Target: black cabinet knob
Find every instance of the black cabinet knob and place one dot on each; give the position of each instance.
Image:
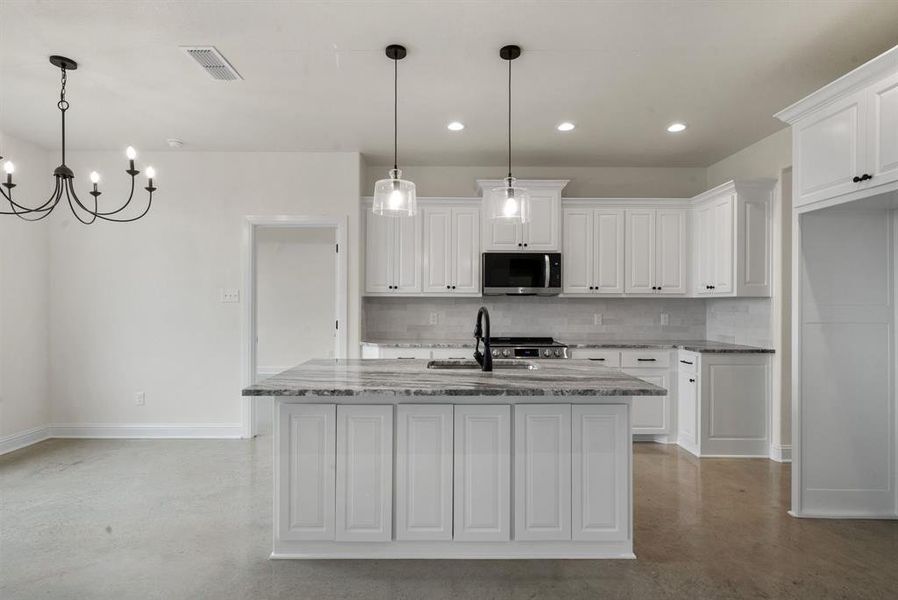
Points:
(525, 245)
(856, 179)
(692, 381)
(453, 287)
(866, 177)
(448, 287)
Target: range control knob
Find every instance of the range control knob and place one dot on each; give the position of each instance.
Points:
(558, 352)
(495, 353)
(505, 352)
(547, 353)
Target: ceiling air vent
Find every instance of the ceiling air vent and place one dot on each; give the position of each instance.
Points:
(212, 62)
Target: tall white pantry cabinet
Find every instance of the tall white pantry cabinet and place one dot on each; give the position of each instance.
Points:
(470, 480)
(844, 224)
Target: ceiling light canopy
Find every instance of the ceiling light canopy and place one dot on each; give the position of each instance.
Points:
(395, 197)
(65, 177)
(566, 126)
(455, 126)
(509, 202)
(676, 127)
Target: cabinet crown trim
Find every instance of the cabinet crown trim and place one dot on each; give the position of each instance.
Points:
(625, 202)
(554, 184)
(862, 76)
(761, 183)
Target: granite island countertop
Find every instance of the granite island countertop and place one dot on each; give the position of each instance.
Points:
(703, 346)
(396, 377)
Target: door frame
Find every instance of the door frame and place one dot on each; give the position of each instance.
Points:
(251, 224)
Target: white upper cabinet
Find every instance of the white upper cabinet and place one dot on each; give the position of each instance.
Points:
(845, 135)
(593, 252)
(542, 233)
(882, 153)
(655, 254)
(451, 260)
(392, 254)
(732, 251)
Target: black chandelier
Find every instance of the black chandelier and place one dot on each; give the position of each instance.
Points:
(65, 177)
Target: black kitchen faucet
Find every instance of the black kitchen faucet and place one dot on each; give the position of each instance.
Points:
(485, 360)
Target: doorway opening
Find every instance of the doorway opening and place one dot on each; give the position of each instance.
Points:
(296, 301)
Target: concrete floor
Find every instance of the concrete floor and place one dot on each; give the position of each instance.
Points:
(192, 519)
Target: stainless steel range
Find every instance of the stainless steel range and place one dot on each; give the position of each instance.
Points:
(527, 347)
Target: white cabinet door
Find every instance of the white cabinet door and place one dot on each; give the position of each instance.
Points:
(722, 232)
(437, 222)
(544, 229)
(640, 255)
(600, 466)
(501, 235)
(608, 245)
(424, 472)
(829, 151)
(466, 250)
(407, 254)
(379, 247)
(482, 506)
(670, 251)
(542, 476)
(882, 131)
(364, 473)
(687, 410)
(704, 250)
(577, 276)
(307, 472)
(650, 414)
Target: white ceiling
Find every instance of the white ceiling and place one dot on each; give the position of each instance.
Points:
(316, 78)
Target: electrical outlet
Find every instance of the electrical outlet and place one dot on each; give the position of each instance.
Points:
(665, 319)
(229, 295)
(140, 398)
(597, 318)
(434, 318)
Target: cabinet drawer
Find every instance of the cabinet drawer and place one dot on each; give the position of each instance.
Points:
(687, 362)
(645, 358)
(605, 358)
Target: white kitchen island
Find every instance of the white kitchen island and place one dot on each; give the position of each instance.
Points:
(392, 459)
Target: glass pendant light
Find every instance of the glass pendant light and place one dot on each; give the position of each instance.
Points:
(509, 202)
(395, 197)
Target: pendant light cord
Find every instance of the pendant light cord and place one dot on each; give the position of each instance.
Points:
(395, 114)
(509, 118)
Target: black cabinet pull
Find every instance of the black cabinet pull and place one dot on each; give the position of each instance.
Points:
(686, 362)
(691, 380)
(448, 287)
(646, 359)
(856, 179)
(598, 359)
(866, 177)
(453, 287)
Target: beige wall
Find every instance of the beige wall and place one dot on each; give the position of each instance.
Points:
(766, 158)
(24, 296)
(586, 182)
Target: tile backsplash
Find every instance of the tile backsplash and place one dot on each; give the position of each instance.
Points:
(568, 319)
(740, 321)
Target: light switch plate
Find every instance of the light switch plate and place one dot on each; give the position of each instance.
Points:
(140, 398)
(229, 295)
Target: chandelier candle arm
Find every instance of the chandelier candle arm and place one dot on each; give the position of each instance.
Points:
(64, 176)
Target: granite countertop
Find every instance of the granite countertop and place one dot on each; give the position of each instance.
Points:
(704, 346)
(398, 377)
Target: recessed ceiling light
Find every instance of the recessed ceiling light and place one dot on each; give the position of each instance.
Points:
(455, 126)
(566, 126)
(676, 127)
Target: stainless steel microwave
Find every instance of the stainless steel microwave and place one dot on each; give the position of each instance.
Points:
(521, 274)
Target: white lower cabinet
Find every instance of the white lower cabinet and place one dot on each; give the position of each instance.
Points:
(424, 472)
(364, 473)
(600, 485)
(650, 415)
(482, 473)
(542, 472)
(306, 472)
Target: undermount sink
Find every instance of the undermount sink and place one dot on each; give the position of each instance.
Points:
(472, 364)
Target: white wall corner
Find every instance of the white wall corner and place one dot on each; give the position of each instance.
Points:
(21, 439)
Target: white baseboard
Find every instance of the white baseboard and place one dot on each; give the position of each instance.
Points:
(781, 454)
(147, 430)
(22, 439)
(16, 441)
